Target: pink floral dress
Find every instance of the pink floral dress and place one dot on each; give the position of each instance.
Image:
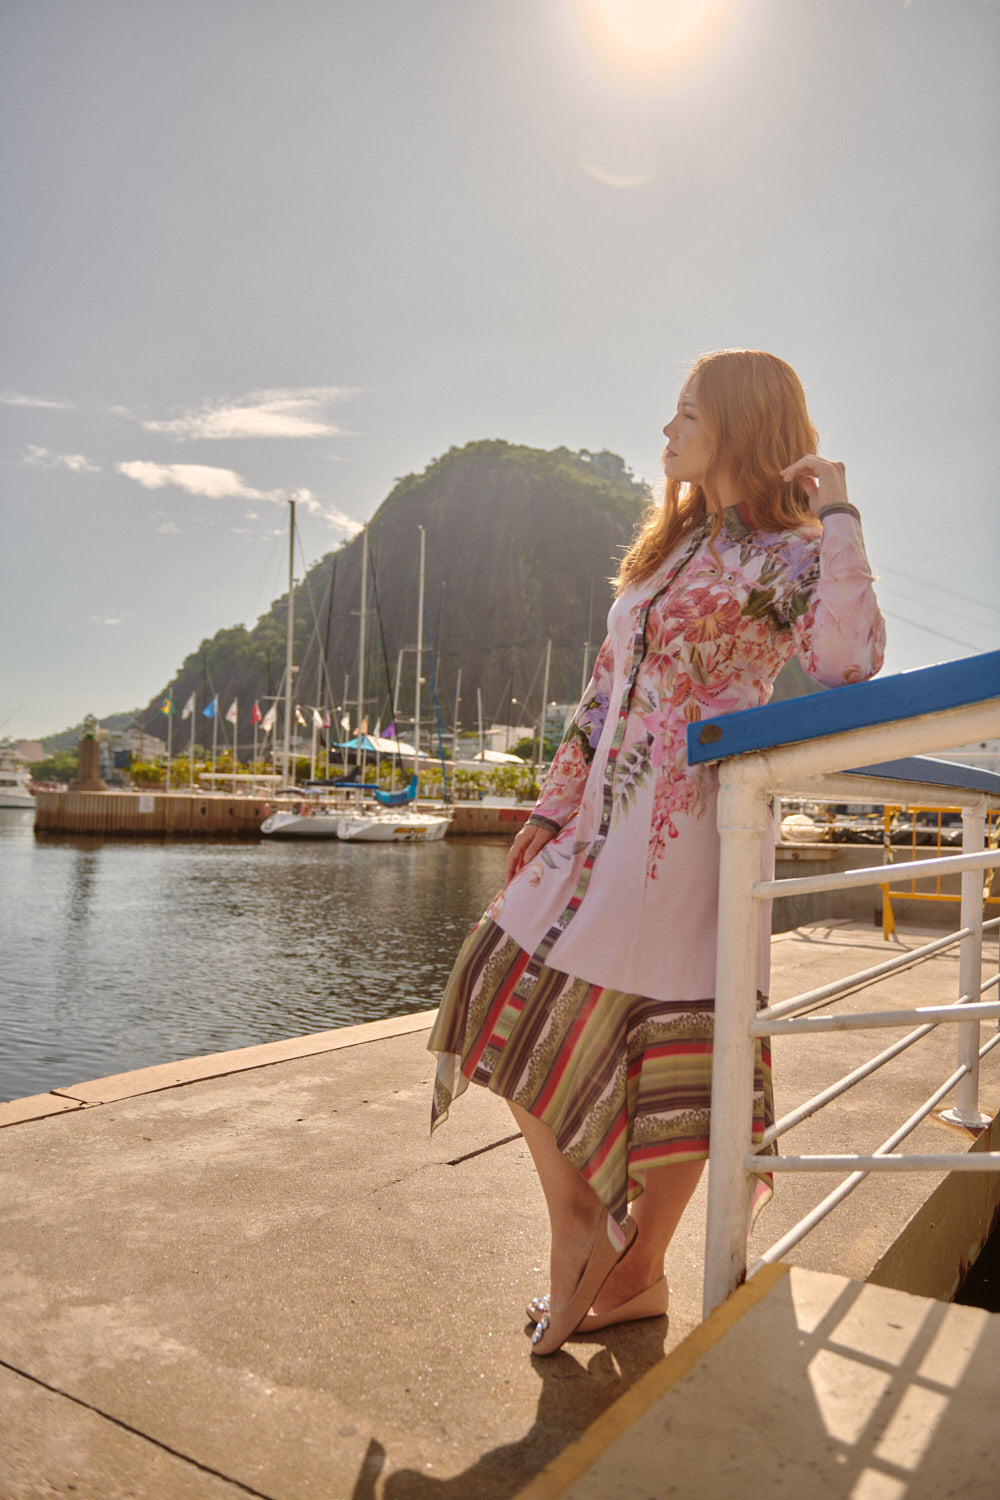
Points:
(585, 994)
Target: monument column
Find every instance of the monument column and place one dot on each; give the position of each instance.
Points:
(88, 769)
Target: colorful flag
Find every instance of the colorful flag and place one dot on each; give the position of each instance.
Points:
(389, 733)
(167, 706)
(209, 712)
(188, 708)
(256, 715)
(268, 721)
(318, 719)
(345, 723)
(300, 717)
(232, 712)
(326, 719)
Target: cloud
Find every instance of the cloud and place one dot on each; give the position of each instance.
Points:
(16, 398)
(112, 620)
(196, 479)
(41, 458)
(330, 513)
(294, 413)
(225, 484)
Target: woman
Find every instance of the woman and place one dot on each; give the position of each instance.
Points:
(584, 996)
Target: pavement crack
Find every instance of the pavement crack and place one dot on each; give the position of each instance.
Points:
(137, 1432)
(503, 1141)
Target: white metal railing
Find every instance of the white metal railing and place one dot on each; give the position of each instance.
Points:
(814, 767)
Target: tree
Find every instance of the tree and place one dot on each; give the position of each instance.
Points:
(58, 767)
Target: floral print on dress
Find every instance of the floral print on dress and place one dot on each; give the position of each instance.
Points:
(715, 638)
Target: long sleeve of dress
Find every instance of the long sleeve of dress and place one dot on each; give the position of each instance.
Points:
(563, 786)
(836, 623)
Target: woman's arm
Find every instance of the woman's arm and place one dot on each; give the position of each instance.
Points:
(840, 634)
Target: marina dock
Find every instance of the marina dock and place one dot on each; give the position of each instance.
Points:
(255, 1273)
(178, 814)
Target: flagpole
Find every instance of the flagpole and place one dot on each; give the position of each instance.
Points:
(170, 736)
(254, 782)
(194, 714)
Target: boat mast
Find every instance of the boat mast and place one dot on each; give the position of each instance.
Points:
(454, 722)
(288, 643)
(420, 653)
(362, 643)
(545, 700)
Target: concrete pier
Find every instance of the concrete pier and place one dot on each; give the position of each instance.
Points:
(255, 1274)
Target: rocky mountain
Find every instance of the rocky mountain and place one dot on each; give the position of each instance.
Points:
(520, 543)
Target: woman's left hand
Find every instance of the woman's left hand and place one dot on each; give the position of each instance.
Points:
(823, 478)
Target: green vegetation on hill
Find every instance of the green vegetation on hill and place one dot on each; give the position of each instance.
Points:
(520, 543)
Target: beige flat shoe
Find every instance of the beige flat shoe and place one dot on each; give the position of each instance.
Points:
(652, 1303)
(554, 1327)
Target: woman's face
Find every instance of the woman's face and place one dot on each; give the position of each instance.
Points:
(689, 449)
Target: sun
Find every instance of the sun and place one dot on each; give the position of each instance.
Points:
(653, 25)
(644, 36)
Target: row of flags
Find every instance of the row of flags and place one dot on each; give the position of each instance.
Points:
(320, 719)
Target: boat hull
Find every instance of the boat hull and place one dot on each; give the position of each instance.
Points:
(16, 799)
(284, 825)
(413, 828)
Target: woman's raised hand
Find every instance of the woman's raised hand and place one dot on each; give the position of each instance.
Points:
(530, 841)
(823, 478)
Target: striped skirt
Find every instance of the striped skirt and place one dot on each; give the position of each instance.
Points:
(623, 1081)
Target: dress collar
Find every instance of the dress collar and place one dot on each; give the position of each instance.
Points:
(736, 520)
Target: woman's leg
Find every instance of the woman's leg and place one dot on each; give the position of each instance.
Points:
(577, 1218)
(576, 1214)
(657, 1212)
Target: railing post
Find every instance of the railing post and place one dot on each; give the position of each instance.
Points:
(742, 824)
(970, 973)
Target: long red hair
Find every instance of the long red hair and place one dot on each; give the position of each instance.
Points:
(754, 410)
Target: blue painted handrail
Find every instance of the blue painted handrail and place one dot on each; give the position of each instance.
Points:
(861, 705)
(924, 768)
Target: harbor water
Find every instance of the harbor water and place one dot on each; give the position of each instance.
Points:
(119, 954)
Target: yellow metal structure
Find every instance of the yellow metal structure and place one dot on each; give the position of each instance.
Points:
(922, 818)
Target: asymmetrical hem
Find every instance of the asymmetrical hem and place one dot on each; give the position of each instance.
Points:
(623, 1081)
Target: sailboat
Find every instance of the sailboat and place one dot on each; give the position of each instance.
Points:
(404, 826)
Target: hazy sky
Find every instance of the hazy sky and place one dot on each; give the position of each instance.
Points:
(257, 249)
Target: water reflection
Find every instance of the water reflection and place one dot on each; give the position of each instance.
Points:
(118, 955)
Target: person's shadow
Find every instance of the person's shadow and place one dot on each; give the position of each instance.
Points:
(577, 1385)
